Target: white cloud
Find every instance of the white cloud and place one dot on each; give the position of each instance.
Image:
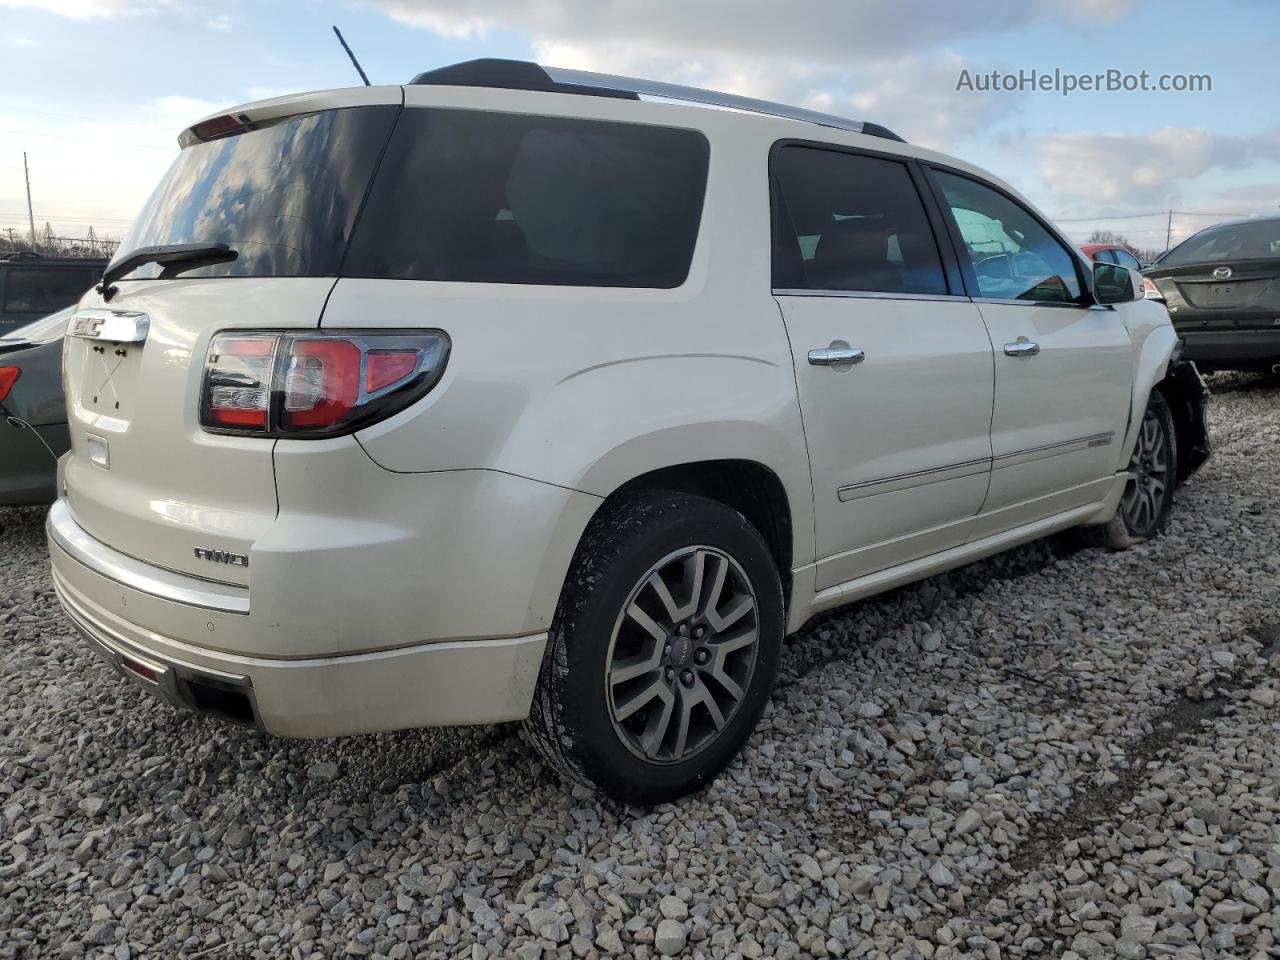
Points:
(916, 96)
(874, 59)
(834, 32)
(1250, 197)
(85, 9)
(1111, 168)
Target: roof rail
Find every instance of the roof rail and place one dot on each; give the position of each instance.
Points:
(526, 75)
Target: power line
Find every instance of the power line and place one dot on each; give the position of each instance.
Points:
(81, 218)
(114, 143)
(1140, 216)
(75, 116)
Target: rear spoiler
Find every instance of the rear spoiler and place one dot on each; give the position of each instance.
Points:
(237, 119)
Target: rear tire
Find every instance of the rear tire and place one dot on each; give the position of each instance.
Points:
(1144, 505)
(663, 651)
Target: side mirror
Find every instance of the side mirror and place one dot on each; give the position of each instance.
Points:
(1113, 283)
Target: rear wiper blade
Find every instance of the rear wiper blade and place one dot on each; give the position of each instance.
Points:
(165, 255)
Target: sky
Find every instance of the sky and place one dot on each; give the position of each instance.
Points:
(98, 90)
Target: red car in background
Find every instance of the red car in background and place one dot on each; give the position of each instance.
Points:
(1111, 253)
(1118, 253)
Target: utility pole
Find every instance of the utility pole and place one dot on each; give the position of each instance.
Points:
(1168, 233)
(31, 217)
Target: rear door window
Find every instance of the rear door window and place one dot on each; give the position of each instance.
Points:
(1126, 259)
(470, 195)
(1013, 255)
(45, 289)
(284, 196)
(844, 221)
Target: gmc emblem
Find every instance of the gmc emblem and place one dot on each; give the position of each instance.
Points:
(86, 326)
(222, 556)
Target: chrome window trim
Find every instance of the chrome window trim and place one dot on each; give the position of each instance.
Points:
(1069, 304)
(868, 295)
(146, 578)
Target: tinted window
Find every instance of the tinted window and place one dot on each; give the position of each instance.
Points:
(1232, 241)
(285, 196)
(509, 198)
(849, 222)
(1013, 256)
(1126, 259)
(1105, 256)
(45, 289)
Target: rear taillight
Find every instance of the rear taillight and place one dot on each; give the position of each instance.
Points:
(8, 377)
(1150, 290)
(237, 383)
(315, 384)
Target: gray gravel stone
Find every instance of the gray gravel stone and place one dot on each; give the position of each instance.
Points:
(670, 937)
(323, 771)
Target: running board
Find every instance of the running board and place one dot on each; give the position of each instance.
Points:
(913, 570)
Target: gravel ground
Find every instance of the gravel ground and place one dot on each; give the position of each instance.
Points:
(1054, 753)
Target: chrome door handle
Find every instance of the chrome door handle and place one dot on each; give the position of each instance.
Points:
(1022, 347)
(832, 356)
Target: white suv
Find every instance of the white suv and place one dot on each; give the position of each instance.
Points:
(524, 394)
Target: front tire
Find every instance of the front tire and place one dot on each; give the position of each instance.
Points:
(1153, 467)
(663, 651)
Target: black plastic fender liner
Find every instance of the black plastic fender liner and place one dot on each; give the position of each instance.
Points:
(1188, 398)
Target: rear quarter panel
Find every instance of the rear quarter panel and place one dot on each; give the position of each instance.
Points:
(588, 388)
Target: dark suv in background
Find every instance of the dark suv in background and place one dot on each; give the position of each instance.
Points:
(32, 286)
(1222, 288)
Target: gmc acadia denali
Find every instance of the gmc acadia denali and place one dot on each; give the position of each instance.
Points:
(527, 394)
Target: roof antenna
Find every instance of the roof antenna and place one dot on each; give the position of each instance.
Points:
(354, 62)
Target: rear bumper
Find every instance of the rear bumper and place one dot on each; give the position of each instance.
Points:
(1225, 346)
(428, 684)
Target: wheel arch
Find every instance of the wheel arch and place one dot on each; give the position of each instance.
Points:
(1155, 353)
(1159, 368)
(752, 488)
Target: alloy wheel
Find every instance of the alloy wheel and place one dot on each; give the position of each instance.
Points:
(1151, 468)
(682, 654)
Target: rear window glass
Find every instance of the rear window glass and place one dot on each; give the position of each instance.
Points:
(843, 221)
(1232, 241)
(284, 197)
(45, 289)
(470, 195)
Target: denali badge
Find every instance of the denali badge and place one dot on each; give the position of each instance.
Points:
(222, 556)
(1222, 273)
